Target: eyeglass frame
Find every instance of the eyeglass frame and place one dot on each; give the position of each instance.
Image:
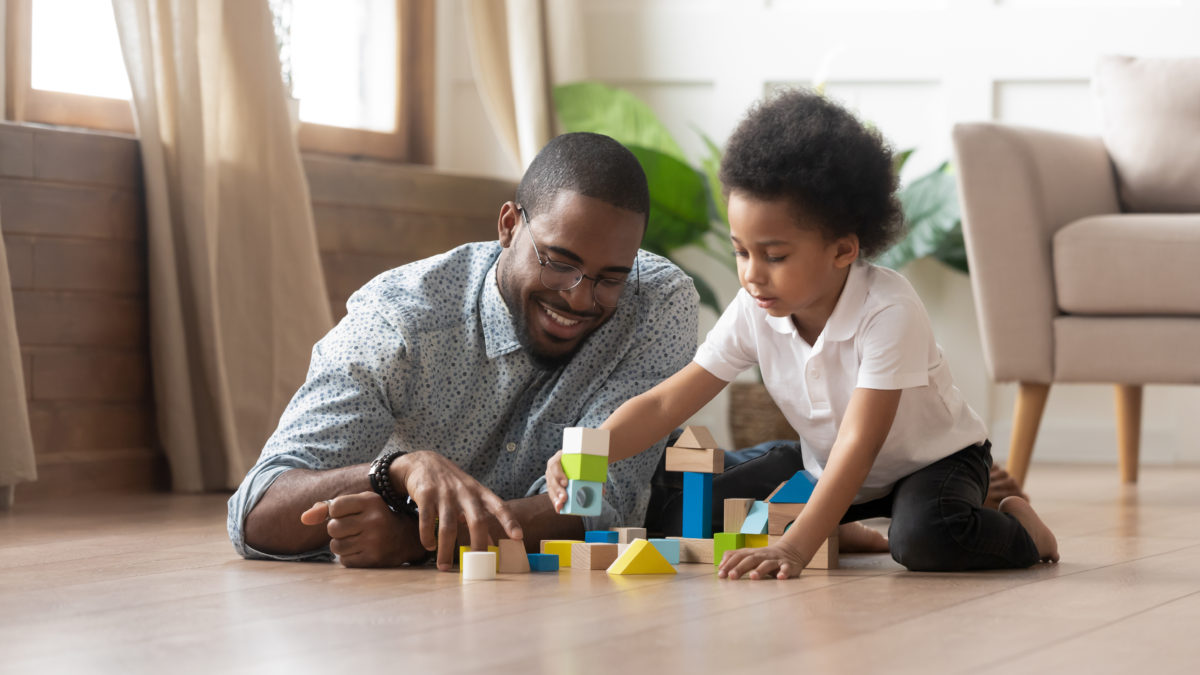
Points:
(595, 280)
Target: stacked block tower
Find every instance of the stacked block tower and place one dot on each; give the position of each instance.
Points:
(585, 461)
(696, 454)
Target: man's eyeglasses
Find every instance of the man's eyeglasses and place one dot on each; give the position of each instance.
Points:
(559, 276)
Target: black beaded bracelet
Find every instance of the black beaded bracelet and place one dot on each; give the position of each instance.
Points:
(381, 483)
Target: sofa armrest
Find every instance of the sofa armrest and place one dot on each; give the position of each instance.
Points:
(1018, 186)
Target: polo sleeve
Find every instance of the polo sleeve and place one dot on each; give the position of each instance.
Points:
(730, 346)
(895, 345)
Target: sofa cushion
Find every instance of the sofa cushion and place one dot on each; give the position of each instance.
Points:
(1133, 264)
(1151, 118)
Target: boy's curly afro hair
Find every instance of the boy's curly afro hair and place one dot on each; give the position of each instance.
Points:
(800, 146)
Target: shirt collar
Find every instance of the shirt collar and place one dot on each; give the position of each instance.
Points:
(844, 319)
(499, 326)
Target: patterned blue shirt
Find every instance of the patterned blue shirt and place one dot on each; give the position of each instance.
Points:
(428, 358)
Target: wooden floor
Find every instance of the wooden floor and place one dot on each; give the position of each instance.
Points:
(151, 585)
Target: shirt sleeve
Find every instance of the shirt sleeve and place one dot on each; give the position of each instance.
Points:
(666, 342)
(730, 347)
(895, 345)
(341, 416)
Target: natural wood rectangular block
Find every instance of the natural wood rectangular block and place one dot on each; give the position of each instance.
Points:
(735, 514)
(628, 534)
(587, 556)
(695, 461)
(826, 557)
(692, 550)
(513, 558)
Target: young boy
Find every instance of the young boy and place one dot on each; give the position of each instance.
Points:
(847, 352)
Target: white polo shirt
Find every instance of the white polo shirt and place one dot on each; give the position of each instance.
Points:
(878, 337)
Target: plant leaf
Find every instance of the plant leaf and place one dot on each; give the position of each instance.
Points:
(934, 222)
(711, 164)
(599, 108)
(678, 201)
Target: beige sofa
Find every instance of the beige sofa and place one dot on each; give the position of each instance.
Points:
(1085, 252)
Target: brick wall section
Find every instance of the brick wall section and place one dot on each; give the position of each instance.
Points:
(73, 221)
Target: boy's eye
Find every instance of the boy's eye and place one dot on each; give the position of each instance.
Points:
(776, 258)
(739, 254)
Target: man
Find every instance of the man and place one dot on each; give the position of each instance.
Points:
(456, 375)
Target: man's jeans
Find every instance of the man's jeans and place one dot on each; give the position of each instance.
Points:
(938, 519)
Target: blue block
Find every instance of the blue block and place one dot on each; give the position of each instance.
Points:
(601, 537)
(756, 519)
(669, 548)
(583, 498)
(798, 489)
(697, 505)
(543, 562)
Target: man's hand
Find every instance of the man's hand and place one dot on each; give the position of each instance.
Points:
(779, 559)
(556, 481)
(364, 532)
(445, 496)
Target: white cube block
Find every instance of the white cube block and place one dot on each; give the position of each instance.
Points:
(476, 565)
(581, 440)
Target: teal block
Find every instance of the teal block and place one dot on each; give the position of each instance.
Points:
(669, 548)
(583, 498)
(756, 519)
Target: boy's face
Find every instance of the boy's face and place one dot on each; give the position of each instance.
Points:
(787, 264)
(599, 239)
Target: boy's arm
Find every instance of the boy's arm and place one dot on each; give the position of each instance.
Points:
(643, 420)
(866, 424)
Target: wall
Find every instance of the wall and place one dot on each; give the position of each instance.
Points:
(74, 228)
(913, 67)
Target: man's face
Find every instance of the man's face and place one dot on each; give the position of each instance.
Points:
(599, 239)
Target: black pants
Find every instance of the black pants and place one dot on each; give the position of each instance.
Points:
(939, 522)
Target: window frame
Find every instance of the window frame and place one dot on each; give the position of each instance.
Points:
(411, 142)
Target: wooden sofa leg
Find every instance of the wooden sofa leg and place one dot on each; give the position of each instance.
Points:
(1027, 416)
(1129, 429)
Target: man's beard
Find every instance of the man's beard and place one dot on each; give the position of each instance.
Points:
(518, 308)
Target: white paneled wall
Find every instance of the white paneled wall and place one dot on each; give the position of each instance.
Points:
(912, 67)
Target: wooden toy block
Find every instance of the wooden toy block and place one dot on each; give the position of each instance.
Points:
(756, 519)
(542, 562)
(513, 558)
(602, 537)
(641, 558)
(826, 557)
(694, 550)
(700, 461)
(478, 565)
(756, 540)
(626, 535)
(464, 549)
(697, 505)
(587, 556)
(583, 498)
(779, 516)
(797, 490)
(735, 514)
(726, 541)
(696, 437)
(591, 468)
(561, 548)
(669, 548)
(581, 440)
(621, 549)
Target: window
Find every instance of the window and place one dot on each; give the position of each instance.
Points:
(361, 71)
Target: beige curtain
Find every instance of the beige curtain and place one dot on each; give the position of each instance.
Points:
(519, 50)
(237, 296)
(16, 442)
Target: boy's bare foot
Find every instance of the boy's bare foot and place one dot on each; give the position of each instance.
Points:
(858, 538)
(1043, 538)
(1001, 485)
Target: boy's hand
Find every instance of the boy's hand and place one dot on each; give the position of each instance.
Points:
(779, 559)
(556, 481)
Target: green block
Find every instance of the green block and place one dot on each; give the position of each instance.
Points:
(592, 468)
(726, 541)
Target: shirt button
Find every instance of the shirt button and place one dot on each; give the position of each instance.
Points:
(511, 447)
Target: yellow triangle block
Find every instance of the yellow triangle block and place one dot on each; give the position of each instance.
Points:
(641, 558)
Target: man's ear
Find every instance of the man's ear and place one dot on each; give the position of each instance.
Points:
(847, 250)
(507, 224)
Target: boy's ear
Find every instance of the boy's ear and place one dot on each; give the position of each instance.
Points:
(847, 250)
(508, 222)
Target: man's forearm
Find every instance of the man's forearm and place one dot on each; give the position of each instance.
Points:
(274, 526)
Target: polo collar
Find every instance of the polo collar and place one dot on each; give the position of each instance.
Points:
(499, 326)
(844, 320)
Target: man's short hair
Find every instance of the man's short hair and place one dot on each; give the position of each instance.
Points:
(799, 146)
(589, 164)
